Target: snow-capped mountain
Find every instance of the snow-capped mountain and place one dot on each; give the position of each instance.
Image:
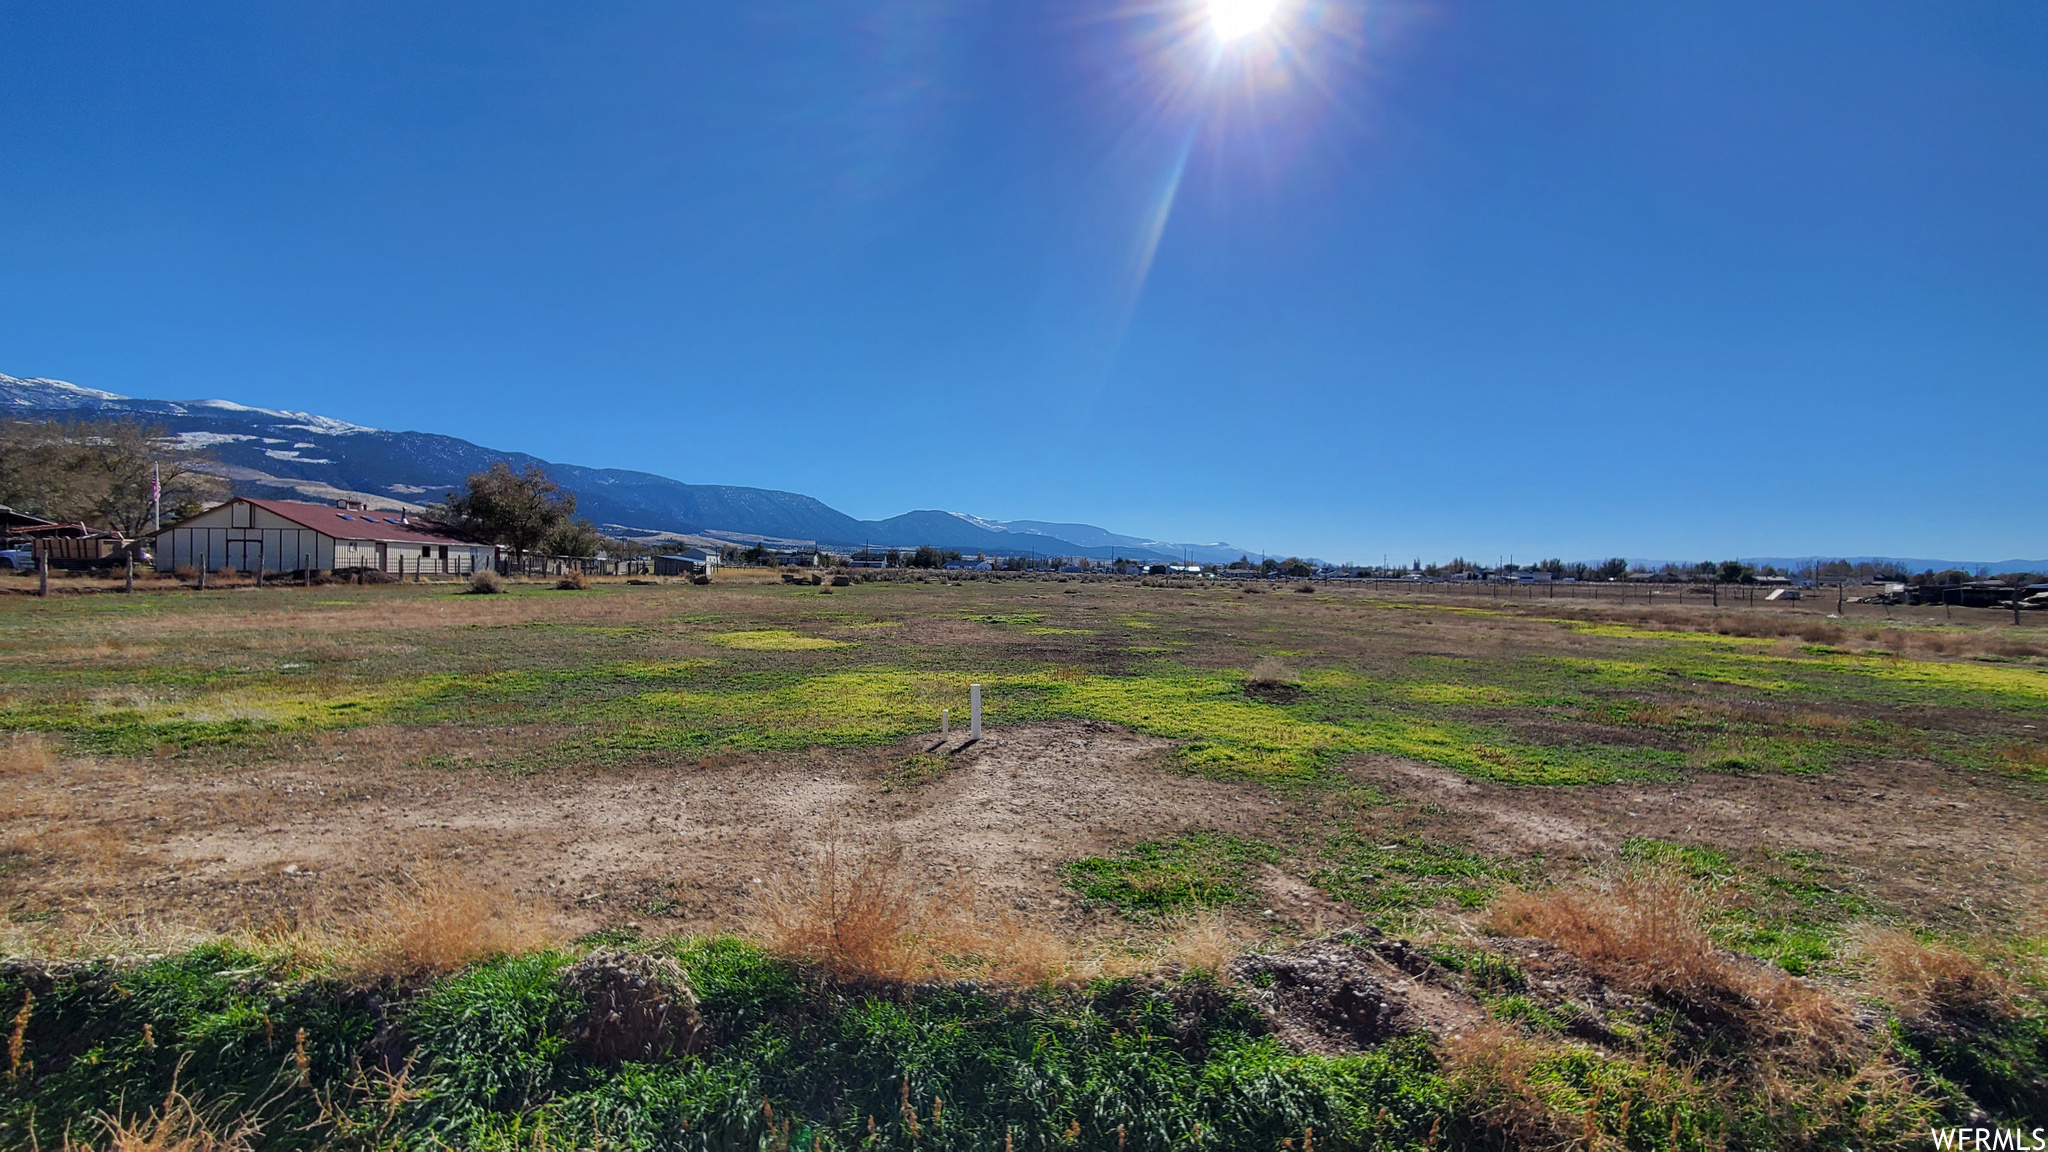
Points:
(301, 455)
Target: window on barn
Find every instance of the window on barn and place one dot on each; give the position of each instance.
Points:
(426, 549)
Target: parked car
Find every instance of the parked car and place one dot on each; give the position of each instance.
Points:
(17, 558)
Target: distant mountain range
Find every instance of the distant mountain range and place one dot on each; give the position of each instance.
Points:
(298, 455)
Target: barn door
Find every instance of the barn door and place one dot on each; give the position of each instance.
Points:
(383, 555)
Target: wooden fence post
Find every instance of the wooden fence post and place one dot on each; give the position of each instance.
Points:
(128, 585)
(42, 568)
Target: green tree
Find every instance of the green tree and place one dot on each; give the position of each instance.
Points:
(1614, 568)
(1731, 572)
(520, 510)
(99, 472)
(578, 537)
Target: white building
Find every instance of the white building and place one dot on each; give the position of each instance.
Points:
(282, 536)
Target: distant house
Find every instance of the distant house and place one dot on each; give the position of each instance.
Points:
(283, 536)
(688, 562)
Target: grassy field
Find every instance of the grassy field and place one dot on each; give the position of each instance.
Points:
(297, 867)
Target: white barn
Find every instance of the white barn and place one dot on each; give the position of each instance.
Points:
(283, 536)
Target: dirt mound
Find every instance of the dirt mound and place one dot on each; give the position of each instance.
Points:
(1326, 995)
(636, 1006)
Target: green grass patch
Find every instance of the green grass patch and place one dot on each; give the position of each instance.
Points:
(1123, 1064)
(1787, 907)
(1387, 876)
(775, 640)
(915, 769)
(1185, 874)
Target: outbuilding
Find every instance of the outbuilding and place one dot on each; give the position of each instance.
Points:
(248, 535)
(688, 562)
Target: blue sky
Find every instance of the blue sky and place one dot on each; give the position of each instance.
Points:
(1519, 277)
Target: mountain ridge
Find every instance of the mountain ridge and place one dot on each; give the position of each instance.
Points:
(283, 452)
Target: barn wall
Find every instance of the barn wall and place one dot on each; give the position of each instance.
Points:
(242, 537)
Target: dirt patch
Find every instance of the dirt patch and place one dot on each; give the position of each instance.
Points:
(1273, 692)
(1331, 996)
(1954, 846)
(686, 846)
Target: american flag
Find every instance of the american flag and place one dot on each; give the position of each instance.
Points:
(156, 483)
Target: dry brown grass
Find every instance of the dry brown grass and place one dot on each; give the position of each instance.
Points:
(1644, 935)
(1934, 982)
(176, 1125)
(1495, 1072)
(26, 754)
(2024, 757)
(429, 924)
(1271, 670)
(1205, 943)
(854, 915)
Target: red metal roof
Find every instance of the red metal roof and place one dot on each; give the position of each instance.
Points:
(354, 524)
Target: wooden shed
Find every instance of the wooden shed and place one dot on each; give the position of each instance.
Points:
(283, 536)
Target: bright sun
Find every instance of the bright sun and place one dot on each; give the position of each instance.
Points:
(1236, 19)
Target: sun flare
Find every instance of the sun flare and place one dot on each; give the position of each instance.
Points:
(1236, 19)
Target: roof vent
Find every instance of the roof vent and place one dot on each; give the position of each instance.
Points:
(352, 505)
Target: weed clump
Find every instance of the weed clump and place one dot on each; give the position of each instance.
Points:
(1646, 936)
(485, 582)
(176, 1125)
(855, 918)
(574, 581)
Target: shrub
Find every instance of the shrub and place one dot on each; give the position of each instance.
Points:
(573, 582)
(485, 582)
